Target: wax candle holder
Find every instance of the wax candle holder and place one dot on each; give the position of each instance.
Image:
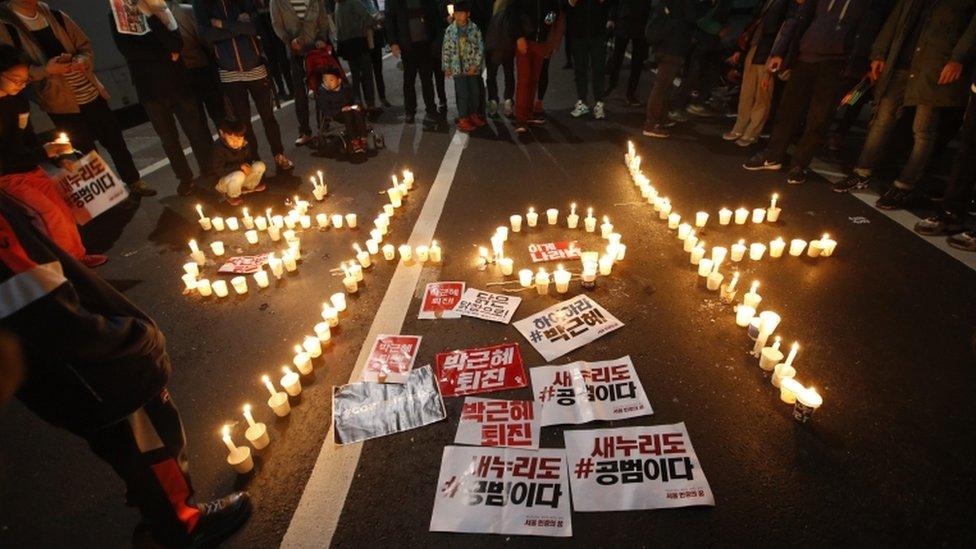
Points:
(727, 295)
(807, 402)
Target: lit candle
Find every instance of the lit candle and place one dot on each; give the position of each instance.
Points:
(330, 315)
(758, 215)
(408, 179)
(435, 252)
(191, 268)
(542, 282)
(362, 256)
(719, 253)
(589, 222)
(741, 215)
(252, 236)
(351, 220)
(516, 221)
(257, 433)
(614, 239)
(261, 278)
(290, 382)
(218, 223)
(288, 259)
(406, 253)
(337, 221)
(781, 372)
(525, 278)
(276, 265)
(372, 247)
(769, 357)
(684, 230)
(797, 245)
(606, 265)
(776, 247)
(396, 199)
(279, 400)
(714, 280)
(323, 332)
(743, 315)
(338, 301)
(807, 402)
(507, 265)
(260, 223)
(312, 346)
(317, 191)
(561, 278)
(814, 249)
(788, 389)
(738, 250)
(674, 222)
(606, 227)
(724, 216)
(277, 221)
(752, 297)
(220, 288)
(621, 251)
(704, 267)
(240, 284)
(665, 210)
(572, 220)
(423, 253)
(590, 268)
(552, 216)
(756, 251)
(196, 254)
(690, 241)
(497, 246)
(697, 253)
(238, 457)
(827, 245)
(204, 287)
(793, 350)
(389, 252)
(190, 281)
(205, 222)
(772, 213)
(274, 232)
(728, 291)
(701, 218)
(768, 322)
(351, 284)
(232, 224)
(322, 220)
(531, 217)
(305, 221)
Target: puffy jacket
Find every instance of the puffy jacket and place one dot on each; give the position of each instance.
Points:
(588, 18)
(457, 59)
(235, 44)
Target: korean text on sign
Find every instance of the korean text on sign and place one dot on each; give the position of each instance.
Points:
(480, 370)
(554, 251)
(580, 392)
(648, 467)
(490, 422)
(567, 326)
(488, 306)
(440, 300)
(392, 358)
(502, 491)
(91, 189)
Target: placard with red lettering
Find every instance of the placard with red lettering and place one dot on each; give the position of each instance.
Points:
(631, 468)
(567, 326)
(391, 359)
(554, 251)
(502, 491)
(580, 392)
(492, 422)
(480, 370)
(244, 264)
(440, 299)
(488, 306)
(128, 19)
(90, 188)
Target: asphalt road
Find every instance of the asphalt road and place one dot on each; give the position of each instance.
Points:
(886, 325)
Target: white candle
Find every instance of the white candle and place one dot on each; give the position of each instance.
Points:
(507, 265)
(589, 222)
(338, 301)
(396, 199)
(525, 278)
(322, 220)
(288, 259)
(252, 236)
(261, 278)
(807, 402)
(684, 230)
(814, 249)
(788, 389)
(408, 178)
(204, 287)
(279, 400)
(621, 251)
(389, 252)
(589, 273)
(738, 251)
(290, 382)
(191, 268)
(690, 242)
(827, 244)
(741, 215)
(793, 350)
(674, 222)
(752, 297)
(289, 236)
(260, 223)
(797, 245)
(305, 221)
(256, 433)
(561, 278)
(372, 247)
(516, 221)
(606, 227)
(352, 220)
(697, 253)
(350, 283)
(756, 251)
(719, 253)
(769, 357)
(714, 280)
(781, 372)
(232, 224)
(205, 222)
(362, 256)
(274, 232)
(768, 322)
(435, 252)
(606, 265)
(552, 216)
(337, 221)
(190, 281)
(277, 221)
(758, 215)
(238, 457)
(220, 288)
(218, 223)
(196, 254)
(665, 209)
(743, 315)
(776, 247)
(542, 282)
(240, 284)
(724, 216)
(406, 253)
(312, 346)
(701, 218)
(323, 332)
(572, 220)
(704, 267)
(276, 265)
(614, 239)
(531, 217)
(330, 315)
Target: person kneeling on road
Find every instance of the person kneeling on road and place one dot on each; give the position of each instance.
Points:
(235, 159)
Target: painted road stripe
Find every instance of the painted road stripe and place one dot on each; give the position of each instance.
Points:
(317, 516)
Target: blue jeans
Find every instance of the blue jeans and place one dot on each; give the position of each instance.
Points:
(466, 88)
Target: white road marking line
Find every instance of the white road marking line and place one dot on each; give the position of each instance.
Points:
(317, 515)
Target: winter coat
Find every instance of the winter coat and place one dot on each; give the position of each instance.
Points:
(948, 33)
(352, 19)
(288, 26)
(398, 24)
(53, 92)
(769, 18)
(330, 102)
(673, 26)
(149, 57)
(535, 19)
(235, 44)
(630, 18)
(588, 18)
(224, 160)
(463, 49)
(500, 34)
(195, 52)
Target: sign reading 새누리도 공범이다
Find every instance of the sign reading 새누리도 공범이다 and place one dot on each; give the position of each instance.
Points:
(392, 358)
(480, 370)
(580, 392)
(440, 299)
(632, 468)
(554, 251)
(566, 326)
(495, 422)
(502, 491)
(488, 306)
(90, 188)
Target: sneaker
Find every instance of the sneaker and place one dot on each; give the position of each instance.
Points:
(758, 162)
(943, 223)
(963, 241)
(850, 183)
(599, 112)
(579, 110)
(386, 104)
(731, 136)
(442, 110)
(521, 128)
(507, 107)
(409, 118)
(478, 120)
(492, 107)
(235, 200)
(141, 188)
(797, 175)
(895, 198)
(93, 260)
(632, 101)
(219, 519)
(536, 120)
(303, 139)
(678, 116)
(658, 131)
(699, 110)
(282, 162)
(466, 125)
(185, 188)
(745, 141)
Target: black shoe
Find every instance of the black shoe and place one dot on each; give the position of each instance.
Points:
(385, 103)
(850, 183)
(944, 223)
(409, 118)
(894, 198)
(658, 131)
(219, 519)
(963, 241)
(131, 202)
(758, 162)
(797, 175)
(632, 101)
(185, 188)
(442, 110)
(141, 188)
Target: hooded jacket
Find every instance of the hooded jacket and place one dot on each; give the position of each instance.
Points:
(235, 44)
(316, 24)
(588, 18)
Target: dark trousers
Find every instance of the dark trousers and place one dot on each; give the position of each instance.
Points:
(260, 91)
(589, 66)
(275, 54)
(147, 449)
(638, 53)
(508, 69)
(668, 66)
(466, 88)
(206, 87)
(182, 107)
(296, 69)
(439, 81)
(97, 122)
(376, 60)
(811, 93)
(361, 70)
(701, 73)
(543, 79)
(962, 176)
(417, 61)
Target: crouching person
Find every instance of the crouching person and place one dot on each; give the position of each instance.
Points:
(234, 163)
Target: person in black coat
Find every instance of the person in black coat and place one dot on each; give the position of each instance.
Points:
(587, 23)
(628, 21)
(413, 30)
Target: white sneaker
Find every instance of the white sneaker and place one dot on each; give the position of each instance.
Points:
(492, 107)
(731, 136)
(303, 139)
(579, 110)
(507, 107)
(598, 111)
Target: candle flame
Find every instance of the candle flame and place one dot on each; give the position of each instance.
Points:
(531, 209)
(825, 236)
(286, 370)
(755, 286)
(606, 219)
(742, 242)
(247, 408)
(225, 431)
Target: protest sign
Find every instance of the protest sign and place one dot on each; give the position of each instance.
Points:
(491, 422)
(580, 392)
(554, 251)
(647, 467)
(244, 264)
(480, 370)
(391, 359)
(440, 299)
(502, 491)
(90, 188)
(365, 410)
(488, 306)
(128, 19)
(566, 326)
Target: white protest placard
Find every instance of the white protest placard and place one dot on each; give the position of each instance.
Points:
(566, 326)
(493, 422)
(580, 392)
(128, 19)
(502, 491)
(647, 467)
(487, 306)
(90, 188)
(440, 299)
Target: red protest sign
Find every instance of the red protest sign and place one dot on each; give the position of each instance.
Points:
(391, 359)
(480, 370)
(554, 251)
(244, 264)
(440, 299)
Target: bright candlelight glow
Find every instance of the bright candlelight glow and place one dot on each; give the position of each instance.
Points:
(724, 216)
(200, 211)
(792, 355)
(772, 203)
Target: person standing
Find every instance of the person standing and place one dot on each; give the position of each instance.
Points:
(352, 21)
(918, 61)
(376, 37)
(412, 28)
(195, 57)
(463, 59)
(64, 82)
(536, 37)
(588, 22)
(500, 53)
(274, 51)
(228, 26)
(628, 21)
(301, 25)
(163, 86)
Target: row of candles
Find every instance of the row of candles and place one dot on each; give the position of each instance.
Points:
(805, 400)
(311, 347)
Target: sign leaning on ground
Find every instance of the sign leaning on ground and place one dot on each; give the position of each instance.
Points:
(581, 392)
